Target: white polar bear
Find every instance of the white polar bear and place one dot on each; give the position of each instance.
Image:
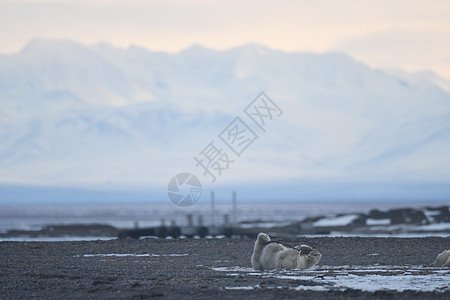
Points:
(269, 255)
(442, 260)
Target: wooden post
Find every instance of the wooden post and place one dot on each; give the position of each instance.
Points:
(234, 208)
(213, 210)
(226, 220)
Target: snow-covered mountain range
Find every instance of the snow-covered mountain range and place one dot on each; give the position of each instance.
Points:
(75, 115)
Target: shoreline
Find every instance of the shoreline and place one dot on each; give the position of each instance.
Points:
(413, 222)
(72, 238)
(174, 268)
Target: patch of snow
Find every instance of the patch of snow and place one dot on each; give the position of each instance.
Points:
(336, 221)
(54, 239)
(399, 283)
(233, 269)
(431, 213)
(133, 255)
(264, 224)
(363, 278)
(317, 288)
(291, 277)
(433, 227)
(371, 222)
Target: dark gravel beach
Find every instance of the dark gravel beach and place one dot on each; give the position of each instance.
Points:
(61, 270)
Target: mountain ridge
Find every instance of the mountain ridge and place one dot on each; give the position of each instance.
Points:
(73, 114)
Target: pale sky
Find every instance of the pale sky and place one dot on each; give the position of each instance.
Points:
(412, 35)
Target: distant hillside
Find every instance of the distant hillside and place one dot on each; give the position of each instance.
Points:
(75, 115)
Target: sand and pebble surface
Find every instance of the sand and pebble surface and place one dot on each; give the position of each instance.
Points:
(351, 267)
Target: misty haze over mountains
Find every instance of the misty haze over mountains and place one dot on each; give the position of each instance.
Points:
(98, 116)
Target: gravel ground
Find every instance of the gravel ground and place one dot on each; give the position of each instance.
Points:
(62, 270)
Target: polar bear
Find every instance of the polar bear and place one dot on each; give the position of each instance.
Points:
(442, 260)
(269, 255)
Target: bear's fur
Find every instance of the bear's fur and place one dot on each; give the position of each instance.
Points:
(442, 260)
(269, 255)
